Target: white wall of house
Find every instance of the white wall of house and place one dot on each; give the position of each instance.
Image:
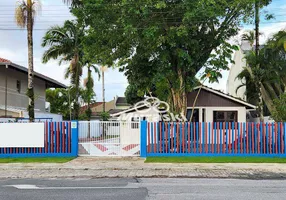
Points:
(232, 82)
(241, 112)
(20, 99)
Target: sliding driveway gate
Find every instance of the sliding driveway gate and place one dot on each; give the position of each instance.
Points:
(109, 138)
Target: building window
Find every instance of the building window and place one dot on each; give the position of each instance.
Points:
(204, 115)
(196, 115)
(135, 122)
(18, 86)
(225, 116)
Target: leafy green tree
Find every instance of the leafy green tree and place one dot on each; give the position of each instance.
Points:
(65, 43)
(59, 100)
(105, 116)
(279, 115)
(133, 94)
(174, 39)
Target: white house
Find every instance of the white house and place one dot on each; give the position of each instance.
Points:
(215, 106)
(211, 106)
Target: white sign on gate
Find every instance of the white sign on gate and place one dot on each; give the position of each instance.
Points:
(22, 134)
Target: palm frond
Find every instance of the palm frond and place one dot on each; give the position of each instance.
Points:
(97, 71)
(21, 11)
(73, 3)
(21, 14)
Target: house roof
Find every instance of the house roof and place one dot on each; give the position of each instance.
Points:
(121, 101)
(3, 60)
(115, 111)
(227, 96)
(93, 105)
(51, 83)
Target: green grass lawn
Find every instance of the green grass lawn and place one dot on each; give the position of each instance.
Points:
(214, 160)
(35, 160)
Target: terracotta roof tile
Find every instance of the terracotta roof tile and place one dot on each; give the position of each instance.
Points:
(3, 60)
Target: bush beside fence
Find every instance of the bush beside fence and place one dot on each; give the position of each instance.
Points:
(221, 139)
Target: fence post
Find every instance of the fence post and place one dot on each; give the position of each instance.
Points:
(74, 138)
(143, 141)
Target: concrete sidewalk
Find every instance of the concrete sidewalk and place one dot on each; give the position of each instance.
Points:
(91, 167)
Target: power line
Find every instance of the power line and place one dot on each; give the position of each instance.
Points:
(4, 27)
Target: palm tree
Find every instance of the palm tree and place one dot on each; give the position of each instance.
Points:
(258, 80)
(268, 69)
(73, 3)
(249, 36)
(65, 44)
(89, 84)
(25, 15)
(277, 46)
(89, 92)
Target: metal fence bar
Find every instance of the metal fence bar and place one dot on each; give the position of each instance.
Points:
(219, 138)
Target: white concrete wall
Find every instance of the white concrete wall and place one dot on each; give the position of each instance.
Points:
(22, 134)
(55, 117)
(130, 133)
(16, 99)
(241, 112)
(233, 83)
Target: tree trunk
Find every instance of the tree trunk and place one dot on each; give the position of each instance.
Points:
(267, 99)
(30, 91)
(77, 82)
(179, 96)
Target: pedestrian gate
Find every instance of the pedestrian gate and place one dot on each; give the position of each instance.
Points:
(109, 138)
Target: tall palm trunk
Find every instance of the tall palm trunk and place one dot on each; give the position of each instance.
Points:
(77, 83)
(30, 92)
(259, 83)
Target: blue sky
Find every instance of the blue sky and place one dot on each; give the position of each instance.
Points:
(13, 44)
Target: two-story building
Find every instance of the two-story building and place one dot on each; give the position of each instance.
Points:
(13, 88)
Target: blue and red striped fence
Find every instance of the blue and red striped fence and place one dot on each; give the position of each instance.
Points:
(219, 138)
(60, 140)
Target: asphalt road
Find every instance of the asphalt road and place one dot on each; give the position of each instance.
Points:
(137, 189)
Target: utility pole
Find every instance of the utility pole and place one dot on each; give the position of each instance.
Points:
(6, 85)
(69, 92)
(257, 46)
(103, 89)
(257, 21)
